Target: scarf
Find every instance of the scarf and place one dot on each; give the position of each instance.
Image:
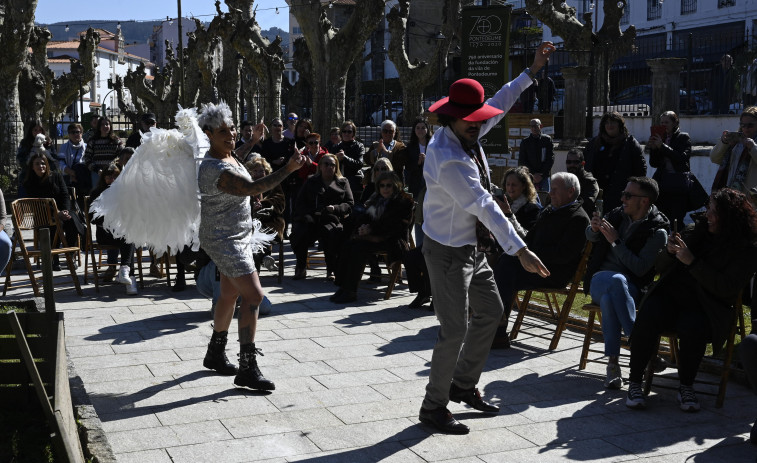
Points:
(723, 176)
(518, 203)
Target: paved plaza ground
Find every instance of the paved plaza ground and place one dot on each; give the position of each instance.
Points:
(349, 383)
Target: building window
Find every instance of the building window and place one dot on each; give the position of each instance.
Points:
(626, 18)
(654, 10)
(725, 3)
(296, 30)
(688, 6)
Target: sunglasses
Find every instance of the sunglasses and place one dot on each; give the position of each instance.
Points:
(629, 195)
(748, 125)
(293, 118)
(75, 131)
(314, 142)
(568, 162)
(347, 131)
(387, 130)
(386, 185)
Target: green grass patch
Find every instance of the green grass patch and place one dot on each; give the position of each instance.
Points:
(9, 308)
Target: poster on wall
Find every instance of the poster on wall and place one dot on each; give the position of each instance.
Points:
(485, 53)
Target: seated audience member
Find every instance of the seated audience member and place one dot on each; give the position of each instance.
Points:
(146, 122)
(574, 163)
(291, 121)
(626, 243)
(42, 183)
(126, 271)
(267, 207)
(388, 146)
(70, 158)
(5, 242)
(381, 166)
(28, 146)
(350, 154)
(557, 237)
(124, 156)
(276, 149)
(313, 153)
(613, 156)
(322, 205)
(249, 141)
(334, 140)
(302, 128)
(521, 207)
(748, 356)
(701, 276)
(92, 129)
(736, 156)
(384, 227)
(670, 156)
(536, 153)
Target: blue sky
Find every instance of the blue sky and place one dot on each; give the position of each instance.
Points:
(77, 11)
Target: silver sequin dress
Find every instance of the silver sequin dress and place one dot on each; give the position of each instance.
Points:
(225, 220)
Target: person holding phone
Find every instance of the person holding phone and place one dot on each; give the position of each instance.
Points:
(736, 156)
(669, 153)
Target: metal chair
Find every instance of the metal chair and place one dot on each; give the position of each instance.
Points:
(29, 215)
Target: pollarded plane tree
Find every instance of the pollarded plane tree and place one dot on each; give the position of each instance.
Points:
(608, 43)
(332, 52)
(417, 75)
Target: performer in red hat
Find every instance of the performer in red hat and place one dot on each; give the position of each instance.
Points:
(459, 212)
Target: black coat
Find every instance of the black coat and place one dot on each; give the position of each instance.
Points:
(314, 196)
(679, 152)
(721, 269)
(527, 215)
(612, 166)
(393, 226)
(530, 154)
(413, 171)
(558, 238)
(53, 187)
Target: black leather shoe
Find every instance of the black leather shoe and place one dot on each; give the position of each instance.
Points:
(442, 419)
(471, 397)
(345, 297)
(336, 294)
(419, 301)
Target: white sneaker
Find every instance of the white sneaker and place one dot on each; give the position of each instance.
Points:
(123, 275)
(614, 380)
(270, 264)
(131, 288)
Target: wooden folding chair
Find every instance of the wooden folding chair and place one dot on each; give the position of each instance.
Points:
(725, 370)
(95, 250)
(563, 311)
(29, 215)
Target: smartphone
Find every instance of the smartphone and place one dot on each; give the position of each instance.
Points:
(658, 130)
(732, 137)
(498, 193)
(675, 226)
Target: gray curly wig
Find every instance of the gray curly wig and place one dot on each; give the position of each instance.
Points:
(213, 116)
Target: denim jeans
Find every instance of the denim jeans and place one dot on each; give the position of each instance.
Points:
(616, 296)
(5, 250)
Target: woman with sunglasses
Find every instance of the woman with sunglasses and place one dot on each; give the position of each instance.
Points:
(736, 156)
(670, 156)
(384, 227)
(350, 154)
(322, 205)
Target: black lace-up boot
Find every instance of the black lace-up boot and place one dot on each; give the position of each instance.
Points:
(215, 358)
(249, 376)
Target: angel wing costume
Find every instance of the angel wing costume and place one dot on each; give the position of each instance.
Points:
(155, 200)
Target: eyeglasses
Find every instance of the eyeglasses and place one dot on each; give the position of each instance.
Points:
(387, 130)
(386, 185)
(314, 142)
(748, 125)
(74, 131)
(347, 131)
(629, 195)
(571, 161)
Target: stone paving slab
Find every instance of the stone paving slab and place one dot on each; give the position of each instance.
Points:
(349, 382)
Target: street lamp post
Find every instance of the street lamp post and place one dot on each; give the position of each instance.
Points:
(439, 37)
(383, 84)
(78, 69)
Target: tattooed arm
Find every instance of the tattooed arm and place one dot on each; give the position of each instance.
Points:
(235, 184)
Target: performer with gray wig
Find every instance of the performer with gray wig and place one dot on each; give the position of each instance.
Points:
(226, 234)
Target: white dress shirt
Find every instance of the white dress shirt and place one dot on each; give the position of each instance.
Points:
(455, 197)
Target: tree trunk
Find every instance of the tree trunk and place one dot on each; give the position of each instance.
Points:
(332, 52)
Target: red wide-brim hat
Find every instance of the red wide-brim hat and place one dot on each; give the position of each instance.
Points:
(466, 102)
